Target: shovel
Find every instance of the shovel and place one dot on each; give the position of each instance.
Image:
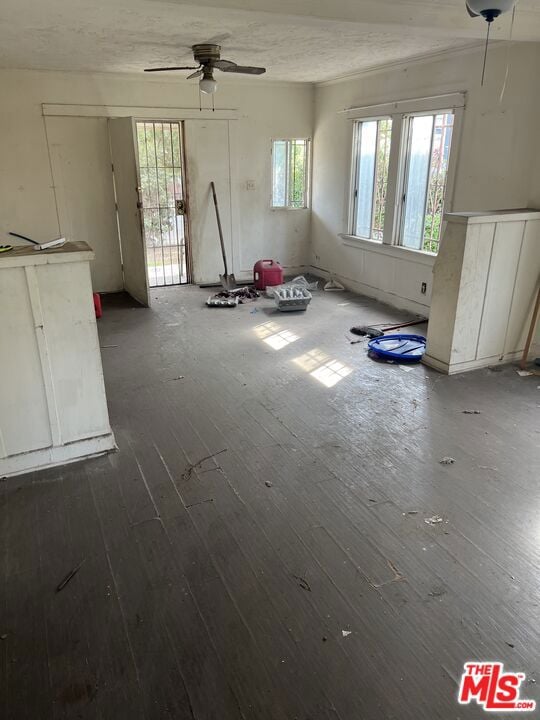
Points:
(228, 281)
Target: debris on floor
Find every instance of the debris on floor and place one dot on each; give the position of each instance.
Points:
(232, 298)
(524, 373)
(405, 368)
(217, 301)
(447, 461)
(245, 294)
(188, 472)
(302, 582)
(471, 412)
(398, 577)
(346, 633)
(268, 483)
(71, 574)
(437, 592)
(433, 520)
(333, 285)
(3, 636)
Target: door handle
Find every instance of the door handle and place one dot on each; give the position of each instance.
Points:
(180, 206)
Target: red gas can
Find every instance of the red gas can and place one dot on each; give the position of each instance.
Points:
(97, 305)
(267, 273)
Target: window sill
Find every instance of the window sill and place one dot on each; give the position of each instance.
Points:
(396, 251)
(294, 209)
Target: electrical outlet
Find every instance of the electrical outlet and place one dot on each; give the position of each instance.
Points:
(423, 288)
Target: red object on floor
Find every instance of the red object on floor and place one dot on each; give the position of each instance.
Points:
(97, 305)
(267, 273)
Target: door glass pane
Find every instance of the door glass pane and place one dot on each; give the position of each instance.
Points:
(421, 130)
(279, 174)
(365, 172)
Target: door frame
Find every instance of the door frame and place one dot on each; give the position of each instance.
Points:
(185, 190)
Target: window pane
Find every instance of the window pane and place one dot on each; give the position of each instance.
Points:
(373, 156)
(297, 182)
(279, 173)
(289, 173)
(381, 177)
(365, 171)
(442, 140)
(421, 130)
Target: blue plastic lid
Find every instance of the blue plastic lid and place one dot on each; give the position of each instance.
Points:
(403, 348)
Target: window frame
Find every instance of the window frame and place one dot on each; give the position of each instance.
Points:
(307, 188)
(400, 113)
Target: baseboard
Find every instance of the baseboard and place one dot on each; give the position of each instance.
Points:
(56, 455)
(376, 293)
(469, 365)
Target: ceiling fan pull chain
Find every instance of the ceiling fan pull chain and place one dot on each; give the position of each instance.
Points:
(485, 55)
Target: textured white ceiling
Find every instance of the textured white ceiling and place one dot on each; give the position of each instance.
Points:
(128, 35)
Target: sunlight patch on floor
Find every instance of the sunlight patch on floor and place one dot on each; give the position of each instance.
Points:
(324, 368)
(272, 334)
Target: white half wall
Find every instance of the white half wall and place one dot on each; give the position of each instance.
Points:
(265, 111)
(496, 165)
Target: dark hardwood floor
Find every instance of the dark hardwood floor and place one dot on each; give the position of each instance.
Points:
(257, 547)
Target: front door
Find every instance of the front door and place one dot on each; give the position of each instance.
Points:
(126, 186)
(163, 199)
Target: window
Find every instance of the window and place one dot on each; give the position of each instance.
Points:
(429, 138)
(372, 155)
(402, 168)
(290, 173)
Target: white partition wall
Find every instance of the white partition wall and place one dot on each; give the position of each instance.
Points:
(484, 283)
(52, 396)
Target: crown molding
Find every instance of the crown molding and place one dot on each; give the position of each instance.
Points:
(415, 60)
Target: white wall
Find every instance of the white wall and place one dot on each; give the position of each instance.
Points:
(266, 110)
(497, 162)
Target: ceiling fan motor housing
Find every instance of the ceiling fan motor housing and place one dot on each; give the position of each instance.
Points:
(206, 53)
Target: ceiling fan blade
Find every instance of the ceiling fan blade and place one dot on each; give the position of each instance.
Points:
(471, 13)
(197, 73)
(165, 69)
(245, 69)
(224, 65)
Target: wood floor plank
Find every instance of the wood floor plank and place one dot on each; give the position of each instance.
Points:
(256, 549)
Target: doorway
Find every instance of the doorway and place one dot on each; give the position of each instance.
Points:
(163, 202)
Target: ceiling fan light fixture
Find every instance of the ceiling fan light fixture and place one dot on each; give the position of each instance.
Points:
(207, 84)
(490, 9)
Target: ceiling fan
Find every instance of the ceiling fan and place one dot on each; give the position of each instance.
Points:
(208, 57)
